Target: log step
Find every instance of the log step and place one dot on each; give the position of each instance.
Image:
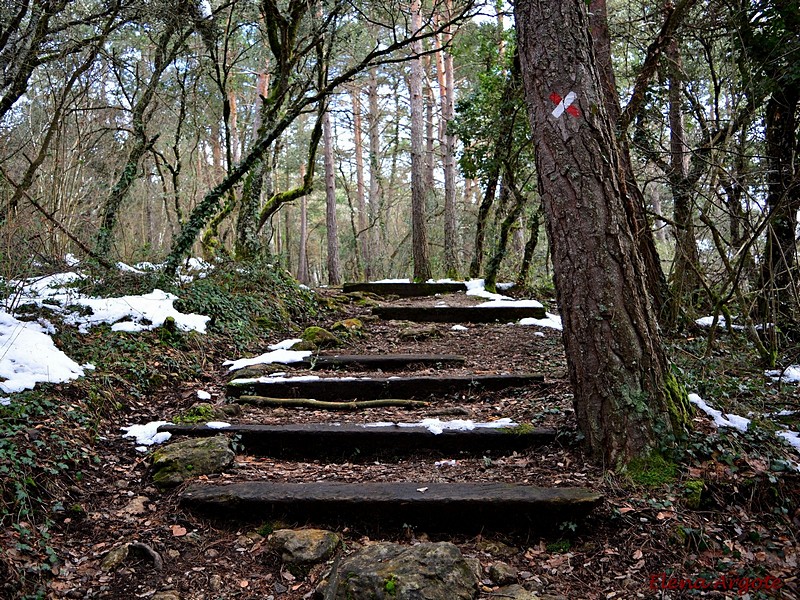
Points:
(405, 290)
(345, 440)
(446, 506)
(385, 362)
(349, 388)
(458, 314)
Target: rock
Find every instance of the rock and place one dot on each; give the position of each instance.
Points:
(516, 592)
(419, 333)
(349, 326)
(475, 566)
(166, 595)
(497, 548)
(304, 546)
(319, 338)
(137, 506)
(115, 558)
(388, 571)
(502, 573)
(175, 463)
(119, 555)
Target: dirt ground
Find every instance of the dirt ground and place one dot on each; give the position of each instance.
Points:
(628, 548)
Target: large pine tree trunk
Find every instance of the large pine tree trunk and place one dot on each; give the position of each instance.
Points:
(419, 236)
(627, 402)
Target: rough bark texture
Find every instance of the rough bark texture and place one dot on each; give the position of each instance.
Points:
(374, 133)
(419, 238)
(636, 207)
(627, 402)
(334, 268)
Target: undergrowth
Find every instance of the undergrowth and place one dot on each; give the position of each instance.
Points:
(47, 435)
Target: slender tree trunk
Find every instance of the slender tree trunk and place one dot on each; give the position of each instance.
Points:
(493, 266)
(430, 142)
(451, 266)
(627, 401)
(334, 268)
(361, 204)
(684, 277)
(419, 242)
(302, 255)
(530, 248)
(780, 276)
(480, 226)
(374, 133)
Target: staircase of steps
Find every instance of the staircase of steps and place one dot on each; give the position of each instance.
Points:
(446, 506)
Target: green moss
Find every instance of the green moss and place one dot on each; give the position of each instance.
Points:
(693, 491)
(559, 547)
(320, 338)
(199, 413)
(652, 470)
(678, 405)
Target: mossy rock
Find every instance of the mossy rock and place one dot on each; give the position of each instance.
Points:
(367, 303)
(693, 492)
(319, 338)
(419, 333)
(174, 464)
(200, 412)
(349, 326)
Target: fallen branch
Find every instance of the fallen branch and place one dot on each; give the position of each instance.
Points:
(324, 405)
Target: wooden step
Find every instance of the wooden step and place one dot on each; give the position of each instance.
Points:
(405, 290)
(384, 362)
(350, 388)
(458, 314)
(444, 506)
(346, 440)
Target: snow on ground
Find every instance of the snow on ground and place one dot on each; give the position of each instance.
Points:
(279, 377)
(720, 419)
(459, 328)
(511, 303)
(27, 353)
(147, 434)
(203, 395)
(281, 356)
(790, 374)
(708, 321)
(29, 356)
(550, 320)
(285, 344)
(476, 287)
(217, 424)
(435, 426)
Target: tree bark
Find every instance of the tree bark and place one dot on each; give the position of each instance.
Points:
(448, 154)
(374, 133)
(627, 401)
(419, 235)
(302, 257)
(334, 268)
(361, 203)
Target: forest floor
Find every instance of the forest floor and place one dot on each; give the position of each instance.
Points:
(726, 511)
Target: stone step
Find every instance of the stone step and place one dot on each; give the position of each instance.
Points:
(458, 314)
(384, 362)
(345, 440)
(405, 290)
(444, 506)
(350, 388)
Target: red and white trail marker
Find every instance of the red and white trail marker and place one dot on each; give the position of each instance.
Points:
(565, 104)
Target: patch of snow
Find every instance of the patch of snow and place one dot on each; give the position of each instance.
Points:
(445, 463)
(71, 260)
(274, 379)
(475, 287)
(790, 374)
(435, 426)
(550, 320)
(129, 269)
(217, 424)
(284, 357)
(154, 308)
(720, 419)
(28, 356)
(504, 286)
(379, 424)
(203, 395)
(147, 434)
(303, 286)
(792, 438)
(459, 328)
(5, 401)
(539, 333)
(285, 344)
(708, 321)
(392, 281)
(512, 303)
